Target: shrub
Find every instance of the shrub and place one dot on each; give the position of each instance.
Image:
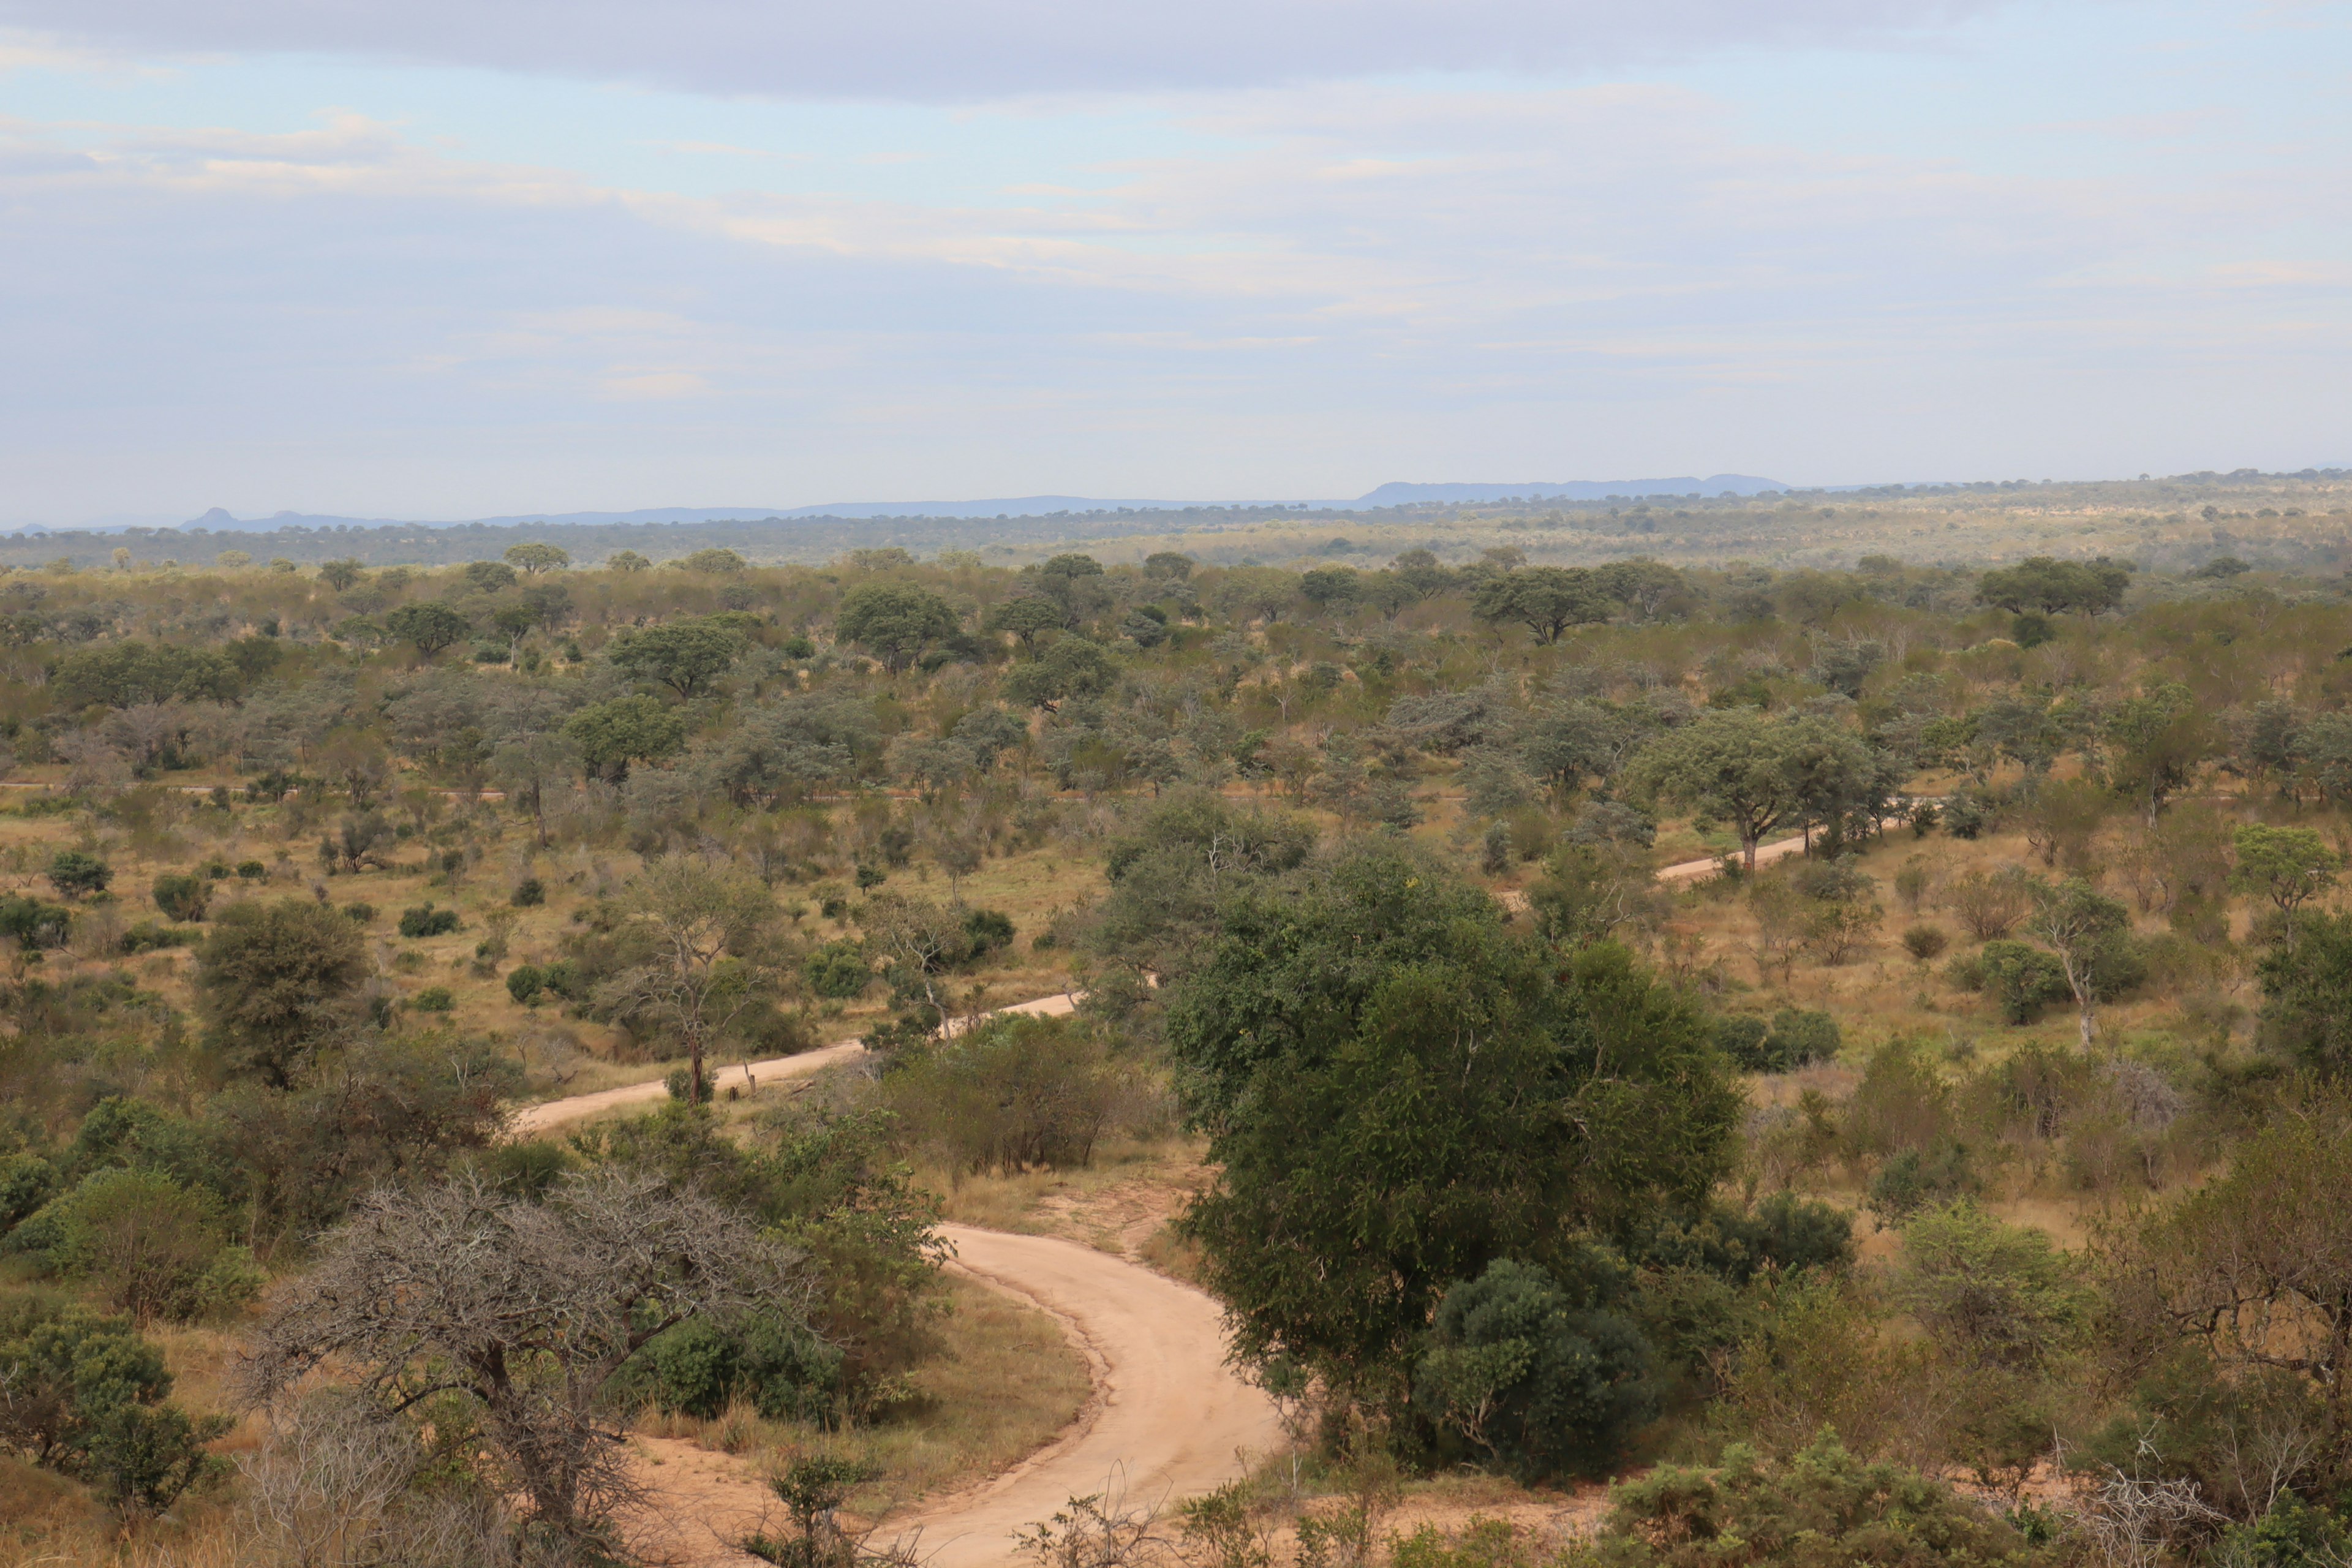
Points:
(91, 1399)
(839, 970)
(361, 913)
(424, 919)
(76, 875)
(2020, 980)
(1989, 907)
(529, 893)
(217, 871)
(251, 870)
(148, 937)
(434, 999)
(158, 1249)
(525, 983)
(701, 1368)
(1822, 1508)
(1916, 1180)
(1539, 1375)
(1011, 1093)
(1793, 1038)
(182, 896)
(989, 930)
(33, 923)
(679, 1081)
(1924, 943)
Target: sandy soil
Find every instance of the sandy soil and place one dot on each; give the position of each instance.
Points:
(1167, 1419)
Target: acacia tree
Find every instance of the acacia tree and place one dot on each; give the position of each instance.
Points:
(2286, 865)
(894, 622)
(1547, 600)
(685, 656)
(431, 627)
(2087, 930)
(532, 559)
(699, 939)
(1753, 772)
(272, 977)
(525, 1312)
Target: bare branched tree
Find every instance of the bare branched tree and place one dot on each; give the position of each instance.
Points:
(702, 935)
(336, 1485)
(525, 1312)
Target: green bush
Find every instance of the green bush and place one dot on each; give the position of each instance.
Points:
(424, 919)
(1918, 1179)
(1822, 1508)
(34, 924)
(89, 1397)
(2020, 980)
(149, 937)
(157, 1249)
(181, 895)
(679, 1081)
(76, 875)
(839, 970)
(26, 1182)
(251, 870)
(1010, 1094)
(701, 1368)
(361, 913)
(1541, 1376)
(989, 930)
(525, 983)
(434, 999)
(1793, 1038)
(529, 893)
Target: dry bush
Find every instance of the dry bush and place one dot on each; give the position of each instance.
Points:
(1989, 906)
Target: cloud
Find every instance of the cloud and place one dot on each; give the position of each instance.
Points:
(964, 50)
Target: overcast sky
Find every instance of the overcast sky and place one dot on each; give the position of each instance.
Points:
(449, 258)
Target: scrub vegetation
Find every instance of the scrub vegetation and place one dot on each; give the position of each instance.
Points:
(1850, 1049)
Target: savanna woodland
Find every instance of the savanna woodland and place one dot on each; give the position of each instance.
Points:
(1830, 1013)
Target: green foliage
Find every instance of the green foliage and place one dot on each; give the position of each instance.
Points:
(525, 983)
(812, 1487)
(2055, 587)
(1402, 1090)
(1793, 1038)
(128, 673)
(272, 979)
(76, 875)
(2307, 993)
(2022, 979)
(1012, 1093)
(1547, 600)
(609, 736)
(683, 655)
(2285, 865)
(33, 924)
(1752, 771)
(1822, 1508)
(431, 627)
(156, 1248)
(434, 999)
(181, 895)
(1998, 1294)
(838, 969)
(1913, 1180)
(529, 894)
(425, 919)
(893, 622)
(88, 1396)
(1538, 1374)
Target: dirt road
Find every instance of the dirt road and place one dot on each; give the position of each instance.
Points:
(1169, 1419)
(536, 1119)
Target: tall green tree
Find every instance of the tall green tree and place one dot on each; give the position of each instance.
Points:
(894, 622)
(272, 979)
(685, 655)
(1402, 1090)
(1751, 771)
(1547, 600)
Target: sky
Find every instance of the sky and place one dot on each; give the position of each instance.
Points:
(446, 259)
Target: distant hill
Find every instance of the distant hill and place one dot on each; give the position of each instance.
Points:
(1397, 493)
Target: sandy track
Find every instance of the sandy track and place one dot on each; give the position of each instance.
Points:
(1169, 1418)
(533, 1118)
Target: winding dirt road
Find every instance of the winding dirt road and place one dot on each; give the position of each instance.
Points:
(1168, 1418)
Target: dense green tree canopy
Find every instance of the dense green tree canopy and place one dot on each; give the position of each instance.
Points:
(894, 622)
